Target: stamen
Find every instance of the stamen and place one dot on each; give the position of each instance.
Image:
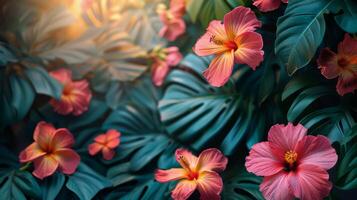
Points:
(290, 157)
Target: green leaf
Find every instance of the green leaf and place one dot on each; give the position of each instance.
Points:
(5, 55)
(347, 20)
(43, 83)
(86, 183)
(18, 185)
(51, 186)
(300, 32)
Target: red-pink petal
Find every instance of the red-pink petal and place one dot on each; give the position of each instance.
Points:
(43, 134)
(347, 82)
(62, 75)
(210, 185)
(160, 69)
(186, 158)
(262, 162)
(62, 107)
(348, 46)
(310, 182)
(68, 160)
(183, 190)
(108, 153)
(173, 56)
(276, 187)
(177, 8)
(172, 30)
(31, 152)
(212, 160)
(249, 50)
(206, 45)
(112, 134)
(62, 139)
(113, 143)
(316, 151)
(102, 138)
(286, 137)
(327, 63)
(44, 166)
(267, 5)
(94, 148)
(173, 174)
(220, 69)
(240, 20)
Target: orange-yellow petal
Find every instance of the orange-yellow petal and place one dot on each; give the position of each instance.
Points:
(209, 185)
(220, 69)
(183, 190)
(94, 148)
(249, 50)
(45, 166)
(31, 152)
(186, 159)
(112, 134)
(62, 139)
(212, 160)
(173, 174)
(43, 134)
(102, 139)
(68, 160)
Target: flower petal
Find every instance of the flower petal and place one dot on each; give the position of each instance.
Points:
(174, 56)
(262, 162)
(159, 73)
(267, 5)
(62, 107)
(43, 134)
(173, 29)
(177, 8)
(102, 139)
(220, 69)
(212, 41)
(62, 75)
(212, 160)
(348, 46)
(327, 63)
(62, 139)
(68, 160)
(240, 20)
(209, 185)
(94, 148)
(112, 134)
(183, 190)
(316, 151)
(113, 143)
(44, 166)
(347, 82)
(276, 187)
(173, 174)
(186, 158)
(249, 50)
(108, 153)
(310, 182)
(31, 152)
(286, 137)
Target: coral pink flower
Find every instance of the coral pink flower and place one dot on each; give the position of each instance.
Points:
(51, 151)
(293, 164)
(174, 25)
(230, 42)
(164, 59)
(268, 5)
(75, 97)
(196, 173)
(106, 143)
(342, 65)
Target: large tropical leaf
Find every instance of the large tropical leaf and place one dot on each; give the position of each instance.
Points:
(300, 32)
(346, 20)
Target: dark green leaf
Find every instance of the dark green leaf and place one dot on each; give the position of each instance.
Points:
(51, 186)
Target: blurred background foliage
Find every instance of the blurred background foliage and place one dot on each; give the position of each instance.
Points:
(108, 42)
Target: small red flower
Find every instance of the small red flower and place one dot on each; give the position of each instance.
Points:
(106, 143)
(75, 97)
(342, 65)
(268, 5)
(51, 151)
(293, 164)
(196, 173)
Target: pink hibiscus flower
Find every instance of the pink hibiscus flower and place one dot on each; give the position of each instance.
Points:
(342, 65)
(196, 173)
(268, 5)
(174, 25)
(50, 151)
(106, 143)
(75, 97)
(293, 164)
(163, 60)
(232, 41)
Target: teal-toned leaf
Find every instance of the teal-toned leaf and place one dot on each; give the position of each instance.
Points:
(43, 83)
(346, 20)
(86, 183)
(5, 55)
(300, 32)
(51, 186)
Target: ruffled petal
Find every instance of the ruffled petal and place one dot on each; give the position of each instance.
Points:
(31, 152)
(159, 72)
(327, 63)
(316, 150)
(276, 187)
(173, 174)
(310, 182)
(172, 30)
(249, 50)
(183, 190)
(108, 153)
(240, 20)
(347, 82)
(94, 148)
(177, 8)
(45, 166)
(62, 139)
(209, 185)
(212, 42)
(62, 75)
(113, 143)
(43, 134)
(286, 137)
(62, 107)
(68, 160)
(348, 46)
(262, 162)
(174, 56)
(220, 69)
(267, 5)
(186, 158)
(101, 139)
(112, 134)
(212, 160)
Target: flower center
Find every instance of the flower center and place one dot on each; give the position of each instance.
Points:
(343, 62)
(290, 157)
(192, 175)
(215, 40)
(231, 45)
(67, 90)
